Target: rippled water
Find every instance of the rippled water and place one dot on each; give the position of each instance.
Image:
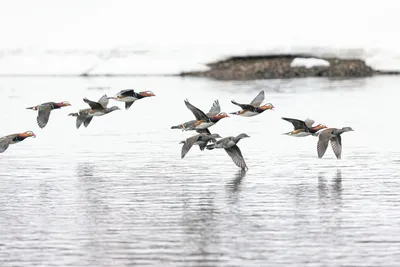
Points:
(118, 194)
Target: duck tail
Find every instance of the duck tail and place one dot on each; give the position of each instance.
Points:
(176, 127)
(73, 114)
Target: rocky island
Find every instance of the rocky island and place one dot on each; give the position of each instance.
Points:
(284, 67)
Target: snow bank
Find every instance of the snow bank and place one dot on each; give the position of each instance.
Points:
(309, 62)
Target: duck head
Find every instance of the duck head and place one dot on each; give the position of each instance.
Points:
(28, 134)
(147, 93)
(347, 129)
(63, 104)
(242, 135)
(267, 106)
(221, 116)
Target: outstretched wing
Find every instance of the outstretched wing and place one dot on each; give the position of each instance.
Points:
(127, 92)
(256, 102)
(322, 145)
(214, 110)
(3, 144)
(128, 105)
(243, 106)
(196, 112)
(309, 122)
(236, 156)
(297, 124)
(188, 145)
(336, 143)
(87, 121)
(93, 105)
(43, 116)
(103, 101)
(323, 140)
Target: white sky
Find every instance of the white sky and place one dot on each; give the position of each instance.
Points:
(105, 24)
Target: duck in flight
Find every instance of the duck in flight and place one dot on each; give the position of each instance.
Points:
(230, 145)
(44, 110)
(13, 139)
(303, 128)
(214, 111)
(201, 140)
(203, 122)
(254, 108)
(334, 136)
(99, 108)
(129, 96)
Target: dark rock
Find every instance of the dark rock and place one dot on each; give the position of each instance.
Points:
(278, 66)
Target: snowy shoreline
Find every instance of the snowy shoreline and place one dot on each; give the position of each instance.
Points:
(217, 62)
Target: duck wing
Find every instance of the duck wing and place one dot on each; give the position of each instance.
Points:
(188, 145)
(128, 105)
(4, 144)
(43, 116)
(214, 110)
(243, 106)
(196, 112)
(309, 122)
(103, 101)
(87, 121)
(127, 92)
(93, 105)
(336, 143)
(236, 156)
(297, 124)
(256, 102)
(323, 140)
(79, 121)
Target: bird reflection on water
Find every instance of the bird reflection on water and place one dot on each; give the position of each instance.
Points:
(234, 185)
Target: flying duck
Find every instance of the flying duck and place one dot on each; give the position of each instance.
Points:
(214, 110)
(254, 108)
(333, 135)
(13, 139)
(230, 145)
(199, 139)
(303, 128)
(45, 109)
(202, 120)
(99, 108)
(129, 96)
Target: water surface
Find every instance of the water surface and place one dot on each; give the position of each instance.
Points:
(118, 194)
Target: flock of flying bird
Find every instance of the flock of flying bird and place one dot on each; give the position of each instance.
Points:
(204, 138)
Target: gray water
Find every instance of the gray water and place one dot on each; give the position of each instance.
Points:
(118, 194)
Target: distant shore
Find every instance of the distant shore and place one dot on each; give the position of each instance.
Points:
(282, 67)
